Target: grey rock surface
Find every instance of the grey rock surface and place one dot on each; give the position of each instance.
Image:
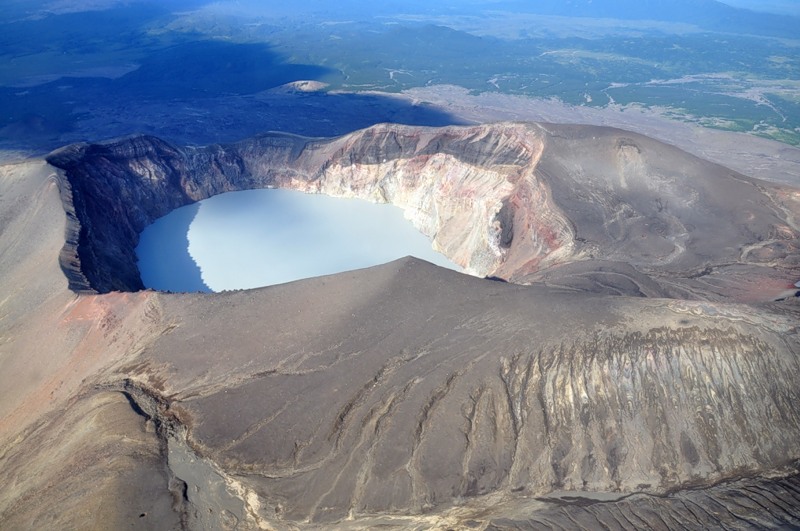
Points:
(637, 373)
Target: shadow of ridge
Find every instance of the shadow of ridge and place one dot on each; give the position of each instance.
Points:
(205, 68)
(323, 114)
(165, 263)
(212, 92)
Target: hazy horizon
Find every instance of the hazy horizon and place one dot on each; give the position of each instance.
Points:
(791, 7)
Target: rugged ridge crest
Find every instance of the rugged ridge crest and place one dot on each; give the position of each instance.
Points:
(510, 200)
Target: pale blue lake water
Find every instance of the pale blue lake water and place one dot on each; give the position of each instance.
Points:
(254, 238)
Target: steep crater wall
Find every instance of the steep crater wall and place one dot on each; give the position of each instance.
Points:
(455, 185)
(513, 200)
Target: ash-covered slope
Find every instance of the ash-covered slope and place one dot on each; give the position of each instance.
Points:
(506, 200)
(405, 395)
(411, 396)
(419, 388)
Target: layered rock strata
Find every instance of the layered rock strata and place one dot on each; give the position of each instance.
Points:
(514, 201)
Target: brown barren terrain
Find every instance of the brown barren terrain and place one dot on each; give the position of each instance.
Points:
(636, 371)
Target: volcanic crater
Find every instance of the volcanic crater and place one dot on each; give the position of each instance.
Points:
(640, 364)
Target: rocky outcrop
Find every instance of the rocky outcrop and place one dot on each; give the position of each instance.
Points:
(507, 200)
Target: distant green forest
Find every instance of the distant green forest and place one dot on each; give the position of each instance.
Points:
(738, 83)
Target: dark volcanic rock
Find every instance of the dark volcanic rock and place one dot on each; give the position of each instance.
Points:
(112, 192)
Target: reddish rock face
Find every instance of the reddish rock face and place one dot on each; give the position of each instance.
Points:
(515, 201)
